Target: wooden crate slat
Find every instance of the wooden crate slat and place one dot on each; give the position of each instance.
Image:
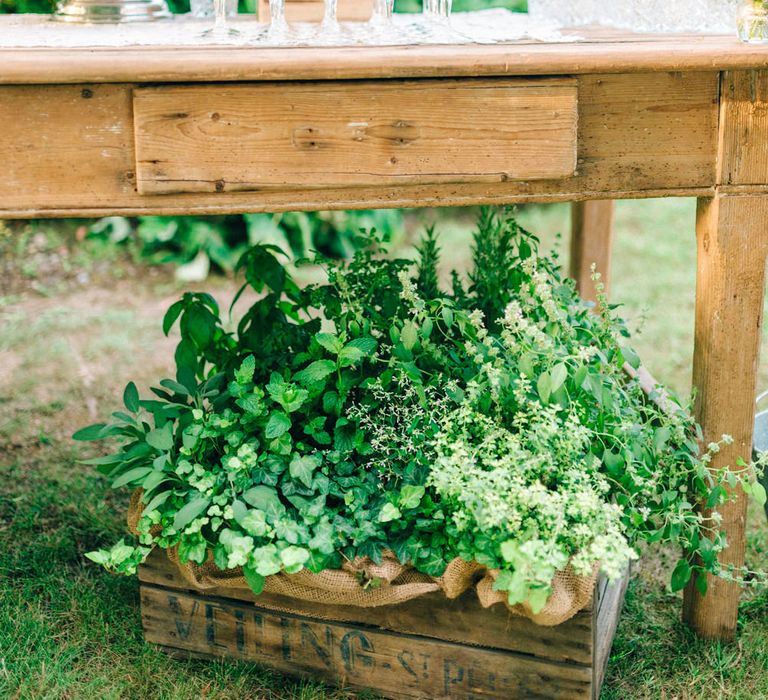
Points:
(393, 664)
(434, 615)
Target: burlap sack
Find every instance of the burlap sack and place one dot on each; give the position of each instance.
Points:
(365, 584)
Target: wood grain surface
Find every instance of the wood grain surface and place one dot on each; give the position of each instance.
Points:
(69, 151)
(394, 665)
(430, 647)
(461, 620)
(597, 51)
(229, 138)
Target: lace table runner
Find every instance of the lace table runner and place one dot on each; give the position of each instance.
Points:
(480, 27)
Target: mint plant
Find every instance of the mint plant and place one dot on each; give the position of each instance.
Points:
(493, 422)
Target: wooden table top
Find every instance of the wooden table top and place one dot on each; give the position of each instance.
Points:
(598, 50)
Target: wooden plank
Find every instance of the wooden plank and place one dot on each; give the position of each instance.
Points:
(462, 620)
(732, 233)
(68, 151)
(591, 244)
(313, 136)
(611, 53)
(395, 665)
(605, 624)
(743, 143)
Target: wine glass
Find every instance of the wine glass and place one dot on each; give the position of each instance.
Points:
(220, 29)
(437, 20)
(380, 25)
(329, 32)
(279, 30)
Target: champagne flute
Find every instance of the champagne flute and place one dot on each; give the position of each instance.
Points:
(220, 28)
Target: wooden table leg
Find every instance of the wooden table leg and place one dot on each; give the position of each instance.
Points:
(731, 233)
(591, 242)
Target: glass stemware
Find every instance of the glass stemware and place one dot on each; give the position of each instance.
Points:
(278, 26)
(380, 27)
(329, 31)
(220, 28)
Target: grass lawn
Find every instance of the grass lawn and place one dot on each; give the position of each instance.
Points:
(69, 630)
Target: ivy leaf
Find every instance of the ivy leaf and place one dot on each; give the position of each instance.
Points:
(131, 398)
(161, 438)
(266, 561)
(254, 579)
(315, 372)
(537, 599)
(265, 498)
(410, 496)
(681, 575)
(302, 468)
(277, 424)
(389, 512)
(190, 511)
(293, 558)
(433, 563)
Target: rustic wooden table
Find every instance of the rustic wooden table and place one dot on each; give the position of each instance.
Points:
(175, 130)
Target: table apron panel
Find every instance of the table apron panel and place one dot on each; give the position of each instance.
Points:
(217, 138)
(70, 150)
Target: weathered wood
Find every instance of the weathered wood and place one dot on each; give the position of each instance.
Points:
(732, 233)
(743, 142)
(598, 52)
(312, 10)
(322, 135)
(604, 630)
(426, 648)
(732, 236)
(68, 150)
(462, 620)
(591, 244)
(395, 665)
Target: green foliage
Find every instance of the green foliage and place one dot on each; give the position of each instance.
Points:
(196, 244)
(376, 411)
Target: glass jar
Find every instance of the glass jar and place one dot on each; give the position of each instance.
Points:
(752, 22)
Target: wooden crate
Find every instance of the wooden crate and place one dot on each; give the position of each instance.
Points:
(427, 648)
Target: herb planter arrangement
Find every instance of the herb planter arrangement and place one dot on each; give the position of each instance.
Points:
(382, 483)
